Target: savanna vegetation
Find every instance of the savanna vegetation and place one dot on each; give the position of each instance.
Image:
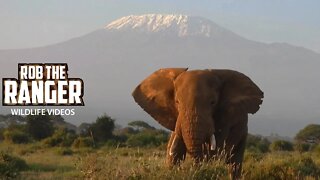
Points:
(37, 147)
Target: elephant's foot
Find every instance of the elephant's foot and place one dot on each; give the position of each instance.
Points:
(176, 150)
(173, 160)
(235, 171)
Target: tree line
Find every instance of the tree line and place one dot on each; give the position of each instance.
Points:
(104, 131)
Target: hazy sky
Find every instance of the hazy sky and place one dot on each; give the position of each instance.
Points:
(37, 22)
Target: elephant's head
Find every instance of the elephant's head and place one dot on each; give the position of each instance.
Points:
(190, 103)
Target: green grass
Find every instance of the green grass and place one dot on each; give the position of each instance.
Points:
(149, 163)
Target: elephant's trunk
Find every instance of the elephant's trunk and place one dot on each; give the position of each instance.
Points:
(197, 132)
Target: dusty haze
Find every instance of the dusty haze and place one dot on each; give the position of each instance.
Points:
(113, 60)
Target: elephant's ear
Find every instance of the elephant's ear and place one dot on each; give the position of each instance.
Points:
(155, 95)
(238, 92)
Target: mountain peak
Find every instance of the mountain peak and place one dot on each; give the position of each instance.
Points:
(182, 25)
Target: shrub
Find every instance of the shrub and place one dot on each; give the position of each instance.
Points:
(112, 143)
(316, 149)
(82, 142)
(40, 126)
(302, 147)
(140, 140)
(306, 167)
(16, 136)
(61, 137)
(281, 145)
(257, 144)
(148, 138)
(10, 166)
(277, 166)
(102, 128)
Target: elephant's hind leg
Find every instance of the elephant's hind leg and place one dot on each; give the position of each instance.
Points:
(176, 150)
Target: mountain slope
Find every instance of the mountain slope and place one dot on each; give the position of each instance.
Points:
(180, 25)
(113, 60)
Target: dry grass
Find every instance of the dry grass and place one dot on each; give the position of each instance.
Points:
(128, 163)
(149, 163)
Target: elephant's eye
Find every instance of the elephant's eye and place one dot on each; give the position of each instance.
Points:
(177, 102)
(213, 102)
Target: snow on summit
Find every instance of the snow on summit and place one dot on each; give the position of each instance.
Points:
(182, 25)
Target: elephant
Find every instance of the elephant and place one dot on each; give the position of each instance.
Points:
(206, 110)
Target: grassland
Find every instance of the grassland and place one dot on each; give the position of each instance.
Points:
(149, 163)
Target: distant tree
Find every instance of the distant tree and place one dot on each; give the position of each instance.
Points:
(148, 138)
(39, 126)
(57, 118)
(310, 134)
(117, 126)
(140, 125)
(102, 129)
(257, 143)
(281, 145)
(83, 129)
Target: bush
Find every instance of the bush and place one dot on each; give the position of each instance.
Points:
(102, 128)
(306, 167)
(10, 166)
(148, 138)
(281, 145)
(316, 149)
(83, 142)
(112, 143)
(61, 137)
(257, 144)
(39, 127)
(302, 147)
(140, 140)
(277, 166)
(16, 136)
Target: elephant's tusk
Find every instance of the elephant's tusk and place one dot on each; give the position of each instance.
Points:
(213, 142)
(173, 145)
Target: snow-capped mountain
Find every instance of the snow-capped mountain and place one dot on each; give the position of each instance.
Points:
(114, 59)
(181, 25)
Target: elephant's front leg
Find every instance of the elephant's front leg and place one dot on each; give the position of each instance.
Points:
(236, 143)
(237, 158)
(176, 150)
